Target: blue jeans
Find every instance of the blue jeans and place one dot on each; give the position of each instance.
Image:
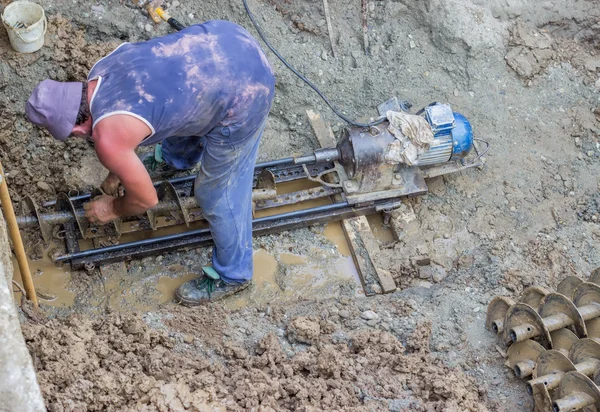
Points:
(223, 189)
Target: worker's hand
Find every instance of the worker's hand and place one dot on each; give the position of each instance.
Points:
(110, 186)
(101, 210)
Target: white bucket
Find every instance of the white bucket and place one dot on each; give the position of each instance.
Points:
(26, 25)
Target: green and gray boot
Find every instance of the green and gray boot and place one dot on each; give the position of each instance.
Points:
(209, 287)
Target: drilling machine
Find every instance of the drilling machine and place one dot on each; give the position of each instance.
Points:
(357, 172)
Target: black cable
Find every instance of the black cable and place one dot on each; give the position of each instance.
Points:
(304, 79)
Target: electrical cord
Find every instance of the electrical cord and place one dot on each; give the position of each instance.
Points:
(304, 79)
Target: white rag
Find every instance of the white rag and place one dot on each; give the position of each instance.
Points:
(413, 137)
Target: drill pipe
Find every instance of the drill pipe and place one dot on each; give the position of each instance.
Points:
(552, 366)
(58, 218)
(169, 201)
(499, 306)
(556, 312)
(576, 391)
(167, 238)
(190, 178)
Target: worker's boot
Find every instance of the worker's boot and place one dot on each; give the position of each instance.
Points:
(209, 287)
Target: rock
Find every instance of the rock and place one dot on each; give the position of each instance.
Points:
(373, 322)
(412, 44)
(597, 84)
(369, 315)
(189, 339)
(175, 4)
(344, 314)
(522, 61)
(44, 186)
(439, 274)
(590, 153)
(303, 330)
(321, 23)
(191, 16)
(425, 272)
(455, 92)
(148, 27)
(592, 64)
(356, 54)
(433, 272)
(324, 55)
(420, 283)
(98, 9)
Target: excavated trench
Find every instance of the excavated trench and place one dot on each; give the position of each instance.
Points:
(526, 75)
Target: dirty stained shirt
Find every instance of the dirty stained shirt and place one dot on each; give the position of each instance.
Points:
(207, 76)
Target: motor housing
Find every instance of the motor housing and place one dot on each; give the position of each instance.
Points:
(452, 132)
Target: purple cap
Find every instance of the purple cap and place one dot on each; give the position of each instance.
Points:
(55, 105)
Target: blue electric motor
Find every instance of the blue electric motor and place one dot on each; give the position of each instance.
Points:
(452, 132)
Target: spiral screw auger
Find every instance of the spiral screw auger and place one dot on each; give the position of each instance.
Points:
(554, 340)
(171, 205)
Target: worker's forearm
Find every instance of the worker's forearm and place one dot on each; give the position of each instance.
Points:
(125, 206)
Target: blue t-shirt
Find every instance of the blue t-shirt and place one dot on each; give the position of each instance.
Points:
(186, 83)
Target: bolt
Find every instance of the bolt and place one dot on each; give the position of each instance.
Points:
(349, 184)
(398, 176)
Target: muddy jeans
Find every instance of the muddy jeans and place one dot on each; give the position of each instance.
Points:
(223, 190)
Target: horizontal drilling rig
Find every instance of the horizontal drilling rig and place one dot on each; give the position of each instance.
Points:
(357, 173)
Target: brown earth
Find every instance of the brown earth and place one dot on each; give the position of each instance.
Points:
(526, 75)
(119, 363)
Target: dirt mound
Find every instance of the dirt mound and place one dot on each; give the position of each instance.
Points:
(36, 164)
(120, 363)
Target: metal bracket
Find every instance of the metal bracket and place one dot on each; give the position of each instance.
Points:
(319, 178)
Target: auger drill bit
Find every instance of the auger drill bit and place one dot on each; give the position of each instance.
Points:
(552, 365)
(568, 285)
(498, 307)
(522, 356)
(65, 211)
(576, 391)
(556, 311)
(533, 296)
(496, 312)
(169, 202)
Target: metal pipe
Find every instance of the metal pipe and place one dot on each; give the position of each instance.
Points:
(528, 331)
(15, 235)
(185, 179)
(57, 218)
(589, 312)
(574, 402)
(551, 381)
(524, 368)
(588, 367)
(498, 326)
(168, 238)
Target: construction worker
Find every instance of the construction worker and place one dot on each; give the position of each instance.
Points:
(201, 95)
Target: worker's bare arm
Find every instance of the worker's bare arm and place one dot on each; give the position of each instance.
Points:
(116, 139)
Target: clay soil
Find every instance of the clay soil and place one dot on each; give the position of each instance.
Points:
(526, 74)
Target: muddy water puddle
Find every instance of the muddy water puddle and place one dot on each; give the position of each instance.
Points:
(279, 275)
(51, 282)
